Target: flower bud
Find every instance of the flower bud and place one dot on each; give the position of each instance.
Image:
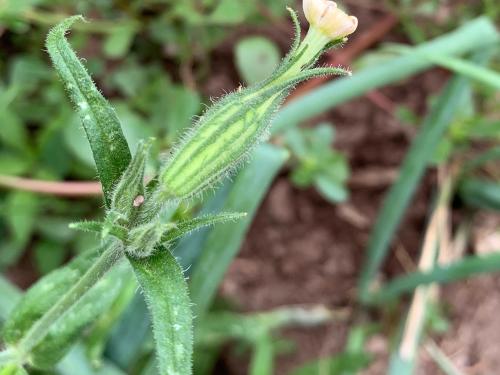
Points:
(325, 16)
(226, 134)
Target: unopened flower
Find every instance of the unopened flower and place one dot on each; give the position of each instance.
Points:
(325, 16)
(226, 134)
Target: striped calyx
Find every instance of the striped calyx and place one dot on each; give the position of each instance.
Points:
(226, 134)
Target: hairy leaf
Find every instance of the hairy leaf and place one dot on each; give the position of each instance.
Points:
(187, 226)
(102, 126)
(69, 328)
(44, 295)
(87, 226)
(166, 293)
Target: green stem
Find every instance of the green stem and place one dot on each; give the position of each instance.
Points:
(42, 327)
(314, 42)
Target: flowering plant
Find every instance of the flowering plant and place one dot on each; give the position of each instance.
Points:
(138, 225)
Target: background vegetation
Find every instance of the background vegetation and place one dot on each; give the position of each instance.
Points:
(160, 61)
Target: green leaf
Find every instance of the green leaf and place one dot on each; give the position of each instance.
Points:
(9, 297)
(345, 363)
(256, 59)
(98, 337)
(263, 357)
(177, 107)
(118, 42)
(75, 362)
(475, 35)
(187, 226)
(469, 266)
(88, 226)
(229, 12)
(41, 297)
(109, 147)
(331, 188)
(218, 328)
(318, 163)
(12, 132)
(479, 73)
(20, 212)
(417, 159)
(481, 194)
(67, 330)
(223, 242)
(165, 289)
(14, 164)
(124, 345)
(75, 140)
(49, 255)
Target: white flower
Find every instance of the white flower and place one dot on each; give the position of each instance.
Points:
(329, 19)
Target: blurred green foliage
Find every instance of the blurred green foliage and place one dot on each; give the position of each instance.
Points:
(152, 58)
(137, 51)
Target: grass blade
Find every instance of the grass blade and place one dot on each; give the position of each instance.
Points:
(223, 242)
(263, 357)
(469, 266)
(480, 194)
(166, 293)
(476, 72)
(435, 245)
(411, 172)
(101, 124)
(474, 36)
(444, 363)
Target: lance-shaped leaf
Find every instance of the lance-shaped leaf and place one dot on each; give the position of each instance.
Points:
(68, 329)
(101, 228)
(42, 295)
(75, 362)
(411, 172)
(187, 226)
(87, 226)
(45, 294)
(166, 292)
(101, 124)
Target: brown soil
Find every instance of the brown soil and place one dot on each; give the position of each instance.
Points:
(303, 250)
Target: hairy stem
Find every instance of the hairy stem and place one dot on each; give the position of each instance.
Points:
(41, 328)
